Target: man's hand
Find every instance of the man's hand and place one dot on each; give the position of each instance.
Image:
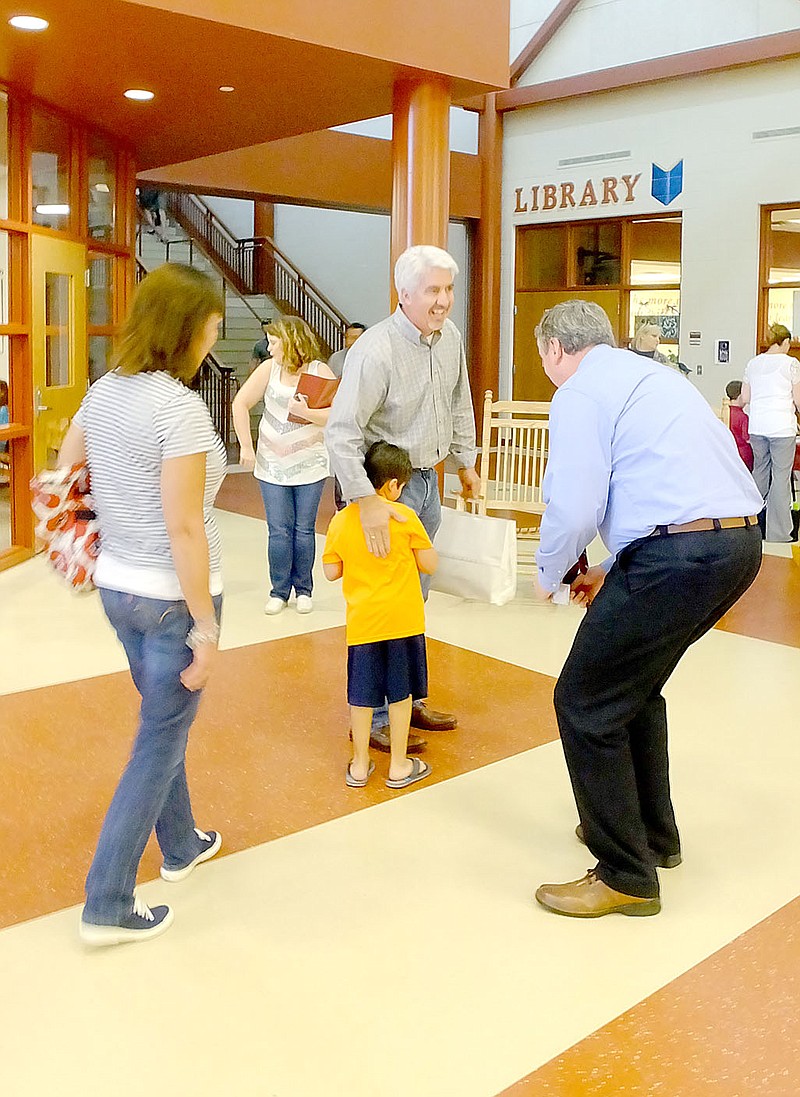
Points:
(470, 483)
(539, 593)
(376, 513)
(587, 586)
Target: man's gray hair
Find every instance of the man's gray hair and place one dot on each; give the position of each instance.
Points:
(576, 325)
(410, 268)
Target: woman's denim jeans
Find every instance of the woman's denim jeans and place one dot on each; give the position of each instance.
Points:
(291, 517)
(152, 791)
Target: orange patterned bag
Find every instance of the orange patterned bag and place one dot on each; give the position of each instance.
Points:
(67, 523)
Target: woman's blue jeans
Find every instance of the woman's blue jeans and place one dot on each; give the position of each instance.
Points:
(152, 791)
(291, 518)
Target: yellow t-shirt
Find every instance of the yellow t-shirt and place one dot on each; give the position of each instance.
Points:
(383, 594)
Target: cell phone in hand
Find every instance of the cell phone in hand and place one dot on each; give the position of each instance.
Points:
(580, 567)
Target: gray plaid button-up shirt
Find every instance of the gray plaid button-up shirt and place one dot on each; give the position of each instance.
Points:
(402, 388)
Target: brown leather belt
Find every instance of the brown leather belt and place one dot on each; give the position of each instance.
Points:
(701, 525)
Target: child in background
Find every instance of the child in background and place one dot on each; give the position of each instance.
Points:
(386, 659)
(739, 422)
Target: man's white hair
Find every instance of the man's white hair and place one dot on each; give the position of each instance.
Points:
(410, 268)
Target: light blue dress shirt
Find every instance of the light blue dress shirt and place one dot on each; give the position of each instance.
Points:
(632, 447)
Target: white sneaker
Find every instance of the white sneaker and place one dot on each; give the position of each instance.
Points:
(274, 605)
(211, 846)
(304, 603)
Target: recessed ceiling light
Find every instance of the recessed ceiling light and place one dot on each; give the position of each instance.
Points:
(53, 211)
(28, 22)
(227, 87)
(139, 94)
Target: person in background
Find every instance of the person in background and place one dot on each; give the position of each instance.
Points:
(261, 349)
(336, 365)
(149, 200)
(156, 465)
(771, 387)
(291, 462)
(336, 361)
(4, 420)
(406, 382)
(386, 658)
(738, 422)
(638, 456)
(645, 342)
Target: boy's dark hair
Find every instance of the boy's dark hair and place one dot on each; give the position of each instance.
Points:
(733, 390)
(384, 462)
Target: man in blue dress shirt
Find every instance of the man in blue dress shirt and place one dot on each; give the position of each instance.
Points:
(637, 455)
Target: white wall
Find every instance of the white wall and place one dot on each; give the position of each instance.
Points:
(709, 123)
(601, 34)
(463, 129)
(347, 256)
(236, 213)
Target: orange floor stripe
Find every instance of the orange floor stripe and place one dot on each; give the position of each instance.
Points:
(267, 754)
(768, 611)
(729, 1027)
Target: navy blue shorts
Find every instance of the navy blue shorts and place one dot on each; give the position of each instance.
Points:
(388, 670)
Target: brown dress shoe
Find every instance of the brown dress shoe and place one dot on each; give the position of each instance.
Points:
(428, 719)
(589, 897)
(379, 739)
(660, 860)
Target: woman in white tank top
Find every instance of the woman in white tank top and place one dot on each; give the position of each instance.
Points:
(290, 462)
(771, 387)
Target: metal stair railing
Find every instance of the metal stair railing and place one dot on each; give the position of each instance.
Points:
(257, 261)
(227, 287)
(217, 385)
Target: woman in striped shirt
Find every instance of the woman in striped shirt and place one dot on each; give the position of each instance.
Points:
(156, 464)
(291, 462)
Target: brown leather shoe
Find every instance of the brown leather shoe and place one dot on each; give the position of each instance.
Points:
(428, 719)
(660, 860)
(589, 897)
(379, 739)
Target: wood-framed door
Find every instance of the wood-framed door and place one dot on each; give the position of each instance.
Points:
(58, 340)
(530, 382)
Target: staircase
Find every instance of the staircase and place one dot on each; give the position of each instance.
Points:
(241, 327)
(257, 264)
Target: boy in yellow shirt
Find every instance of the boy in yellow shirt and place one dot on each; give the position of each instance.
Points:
(386, 658)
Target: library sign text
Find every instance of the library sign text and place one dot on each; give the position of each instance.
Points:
(611, 190)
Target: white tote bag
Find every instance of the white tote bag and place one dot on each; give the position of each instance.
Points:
(477, 557)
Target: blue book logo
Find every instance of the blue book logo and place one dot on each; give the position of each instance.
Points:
(667, 185)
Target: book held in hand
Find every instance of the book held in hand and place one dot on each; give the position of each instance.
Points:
(318, 391)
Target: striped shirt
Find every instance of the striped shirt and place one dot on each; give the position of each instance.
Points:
(132, 424)
(288, 453)
(405, 389)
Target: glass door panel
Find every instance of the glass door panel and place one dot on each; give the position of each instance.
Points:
(58, 344)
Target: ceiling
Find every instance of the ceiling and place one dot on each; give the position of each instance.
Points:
(95, 49)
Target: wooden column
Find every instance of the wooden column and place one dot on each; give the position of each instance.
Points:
(484, 358)
(264, 225)
(420, 166)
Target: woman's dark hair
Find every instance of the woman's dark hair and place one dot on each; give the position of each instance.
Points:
(384, 462)
(3, 394)
(733, 390)
(778, 334)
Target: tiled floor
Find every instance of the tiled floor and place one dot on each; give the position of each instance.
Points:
(365, 943)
